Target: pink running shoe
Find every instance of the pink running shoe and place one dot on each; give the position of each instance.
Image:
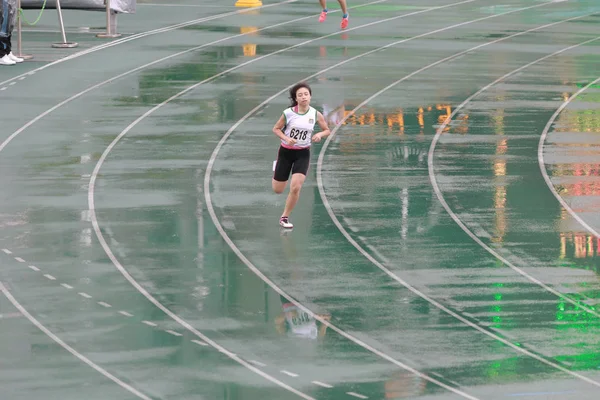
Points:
(323, 16)
(344, 23)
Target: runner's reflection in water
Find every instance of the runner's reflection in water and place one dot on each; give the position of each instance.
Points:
(296, 323)
(293, 321)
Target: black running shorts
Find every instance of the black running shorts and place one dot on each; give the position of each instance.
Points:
(294, 161)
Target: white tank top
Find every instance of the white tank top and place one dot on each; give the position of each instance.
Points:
(299, 127)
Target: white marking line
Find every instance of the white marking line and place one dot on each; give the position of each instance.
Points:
(33, 267)
(83, 294)
(7, 251)
(91, 88)
(256, 271)
(65, 346)
(50, 277)
(390, 273)
(325, 385)
(125, 313)
(258, 363)
(173, 332)
(12, 315)
(360, 396)
(19, 259)
(288, 373)
(103, 304)
(4, 88)
(66, 286)
(145, 34)
(542, 165)
(174, 316)
(149, 323)
(198, 342)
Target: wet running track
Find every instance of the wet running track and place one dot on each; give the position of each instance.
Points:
(446, 242)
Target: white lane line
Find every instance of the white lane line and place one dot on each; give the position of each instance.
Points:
(34, 268)
(11, 315)
(288, 373)
(7, 251)
(199, 342)
(357, 395)
(173, 332)
(50, 277)
(325, 385)
(149, 323)
(542, 164)
(66, 286)
(125, 313)
(65, 346)
(19, 259)
(83, 294)
(257, 363)
(105, 305)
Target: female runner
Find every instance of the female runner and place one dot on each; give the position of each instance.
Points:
(295, 129)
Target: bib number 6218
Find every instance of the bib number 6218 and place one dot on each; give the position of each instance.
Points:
(298, 134)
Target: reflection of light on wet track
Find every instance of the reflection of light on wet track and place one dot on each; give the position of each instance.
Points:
(93, 296)
(518, 347)
(457, 219)
(542, 165)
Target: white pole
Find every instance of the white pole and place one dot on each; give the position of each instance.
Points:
(19, 40)
(64, 43)
(109, 29)
(60, 21)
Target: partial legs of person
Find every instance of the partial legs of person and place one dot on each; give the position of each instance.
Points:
(279, 187)
(297, 162)
(323, 15)
(4, 32)
(4, 58)
(344, 8)
(295, 188)
(283, 167)
(11, 54)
